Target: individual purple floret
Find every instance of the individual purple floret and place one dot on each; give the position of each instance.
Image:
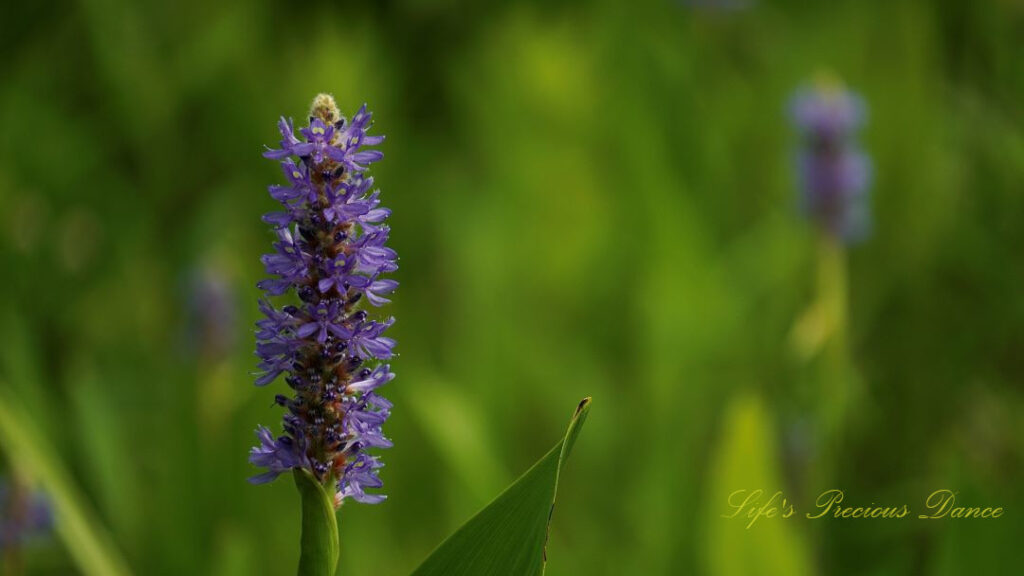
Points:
(330, 253)
(834, 172)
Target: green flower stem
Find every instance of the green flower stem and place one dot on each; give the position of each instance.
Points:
(320, 541)
(835, 392)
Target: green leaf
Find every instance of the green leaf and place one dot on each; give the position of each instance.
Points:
(509, 536)
(319, 527)
(85, 538)
(745, 461)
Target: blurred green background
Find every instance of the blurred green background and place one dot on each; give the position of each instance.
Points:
(589, 199)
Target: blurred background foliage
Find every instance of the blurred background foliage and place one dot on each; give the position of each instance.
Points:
(589, 199)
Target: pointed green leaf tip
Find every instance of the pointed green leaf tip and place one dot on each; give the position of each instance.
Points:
(508, 537)
(319, 527)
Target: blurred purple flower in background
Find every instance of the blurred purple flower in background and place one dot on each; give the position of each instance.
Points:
(24, 515)
(833, 171)
(330, 252)
(212, 315)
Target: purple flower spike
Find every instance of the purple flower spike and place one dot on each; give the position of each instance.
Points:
(834, 173)
(330, 251)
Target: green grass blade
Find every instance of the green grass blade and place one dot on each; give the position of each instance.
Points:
(508, 537)
(85, 539)
(320, 547)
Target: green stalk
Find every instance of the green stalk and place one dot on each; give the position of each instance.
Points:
(835, 368)
(319, 541)
(833, 394)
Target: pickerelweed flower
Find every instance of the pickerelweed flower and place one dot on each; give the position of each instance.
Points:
(331, 252)
(834, 172)
(24, 515)
(210, 313)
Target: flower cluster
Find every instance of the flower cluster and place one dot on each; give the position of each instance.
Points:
(331, 253)
(834, 173)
